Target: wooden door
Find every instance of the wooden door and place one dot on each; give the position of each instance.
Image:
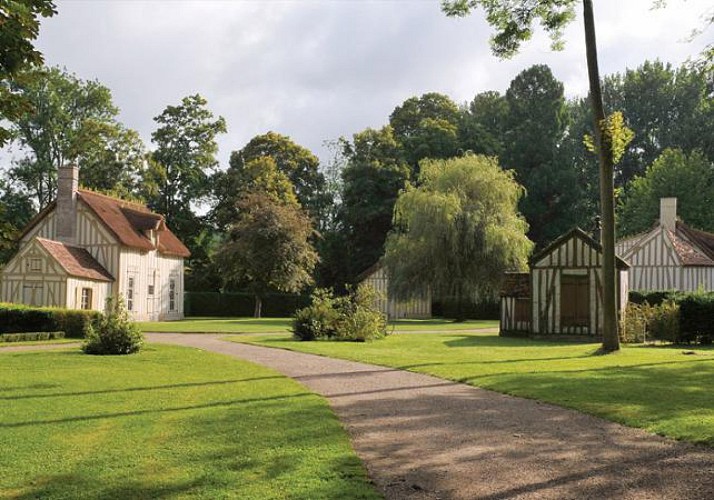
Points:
(574, 301)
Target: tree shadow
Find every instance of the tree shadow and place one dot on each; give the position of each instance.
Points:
(494, 340)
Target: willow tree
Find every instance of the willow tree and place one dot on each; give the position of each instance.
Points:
(513, 21)
(458, 231)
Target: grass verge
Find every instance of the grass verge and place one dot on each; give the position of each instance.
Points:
(168, 422)
(666, 390)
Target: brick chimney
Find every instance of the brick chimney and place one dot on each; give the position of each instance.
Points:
(668, 213)
(66, 212)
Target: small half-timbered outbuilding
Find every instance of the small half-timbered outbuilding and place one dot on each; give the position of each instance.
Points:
(417, 307)
(564, 290)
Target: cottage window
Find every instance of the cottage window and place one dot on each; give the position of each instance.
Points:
(36, 265)
(150, 291)
(574, 300)
(86, 302)
(130, 293)
(172, 294)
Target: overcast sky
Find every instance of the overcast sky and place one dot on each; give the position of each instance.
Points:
(320, 69)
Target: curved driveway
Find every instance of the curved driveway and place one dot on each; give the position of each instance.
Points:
(422, 437)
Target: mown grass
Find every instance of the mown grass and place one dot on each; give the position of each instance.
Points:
(666, 390)
(282, 325)
(168, 422)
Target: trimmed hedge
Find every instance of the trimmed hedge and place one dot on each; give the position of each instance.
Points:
(16, 318)
(696, 318)
(275, 305)
(30, 336)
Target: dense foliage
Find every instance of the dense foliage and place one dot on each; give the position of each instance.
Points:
(352, 317)
(268, 248)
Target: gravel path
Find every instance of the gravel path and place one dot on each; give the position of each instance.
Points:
(422, 437)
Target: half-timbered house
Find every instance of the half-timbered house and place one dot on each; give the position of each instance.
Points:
(85, 247)
(417, 307)
(564, 290)
(671, 256)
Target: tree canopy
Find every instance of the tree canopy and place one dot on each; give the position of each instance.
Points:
(687, 177)
(298, 163)
(458, 231)
(72, 120)
(19, 28)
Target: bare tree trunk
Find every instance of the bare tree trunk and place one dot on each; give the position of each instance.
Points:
(610, 338)
(258, 307)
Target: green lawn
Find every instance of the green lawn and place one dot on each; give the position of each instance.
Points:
(168, 422)
(662, 389)
(282, 325)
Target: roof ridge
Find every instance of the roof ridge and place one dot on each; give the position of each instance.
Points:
(130, 203)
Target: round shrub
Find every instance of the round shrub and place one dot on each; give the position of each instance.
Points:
(114, 332)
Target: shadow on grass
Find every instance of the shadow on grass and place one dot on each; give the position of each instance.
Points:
(135, 389)
(494, 340)
(100, 416)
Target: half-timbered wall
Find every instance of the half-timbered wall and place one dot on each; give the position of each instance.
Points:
(656, 266)
(415, 308)
(575, 258)
(151, 274)
(32, 277)
(513, 318)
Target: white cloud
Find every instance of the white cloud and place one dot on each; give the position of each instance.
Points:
(316, 70)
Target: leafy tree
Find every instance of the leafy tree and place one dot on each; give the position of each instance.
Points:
(666, 107)
(19, 27)
(483, 122)
(16, 211)
(268, 248)
(459, 231)
(513, 21)
(260, 174)
(298, 163)
(536, 124)
(71, 120)
(689, 178)
(375, 173)
(185, 155)
(426, 127)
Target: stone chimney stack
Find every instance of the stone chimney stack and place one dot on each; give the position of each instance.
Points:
(66, 212)
(668, 213)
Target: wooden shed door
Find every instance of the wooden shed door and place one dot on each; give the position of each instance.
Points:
(574, 300)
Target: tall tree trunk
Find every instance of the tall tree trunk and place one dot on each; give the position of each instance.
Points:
(258, 307)
(610, 339)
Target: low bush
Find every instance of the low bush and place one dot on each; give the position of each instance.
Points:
(114, 332)
(30, 336)
(17, 318)
(644, 322)
(354, 317)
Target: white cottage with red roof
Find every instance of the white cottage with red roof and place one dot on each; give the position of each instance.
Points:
(85, 247)
(671, 256)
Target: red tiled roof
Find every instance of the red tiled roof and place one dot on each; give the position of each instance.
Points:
(75, 260)
(702, 241)
(128, 221)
